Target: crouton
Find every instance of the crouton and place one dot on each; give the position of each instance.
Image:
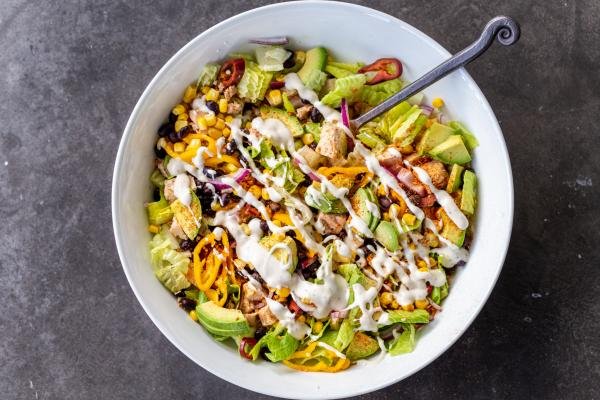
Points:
(333, 141)
(437, 172)
(332, 223)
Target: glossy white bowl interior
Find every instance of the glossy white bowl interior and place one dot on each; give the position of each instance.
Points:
(351, 33)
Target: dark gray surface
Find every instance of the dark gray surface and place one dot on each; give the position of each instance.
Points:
(71, 328)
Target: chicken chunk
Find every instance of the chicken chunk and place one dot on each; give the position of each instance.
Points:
(176, 230)
(331, 223)
(333, 141)
(251, 300)
(437, 172)
(391, 159)
(230, 92)
(235, 107)
(303, 112)
(266, 316)
(169, 190)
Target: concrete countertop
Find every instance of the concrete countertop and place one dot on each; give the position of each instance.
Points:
(70, 326)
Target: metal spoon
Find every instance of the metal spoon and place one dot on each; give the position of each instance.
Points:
(504, 28)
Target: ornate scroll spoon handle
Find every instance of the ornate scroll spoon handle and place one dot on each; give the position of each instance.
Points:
(504, 28)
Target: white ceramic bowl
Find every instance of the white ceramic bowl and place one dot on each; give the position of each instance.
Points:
(352, 33)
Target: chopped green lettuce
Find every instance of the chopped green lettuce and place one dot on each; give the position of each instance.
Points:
(375, 94)
(271, 58)
(417, 316)
(337, 72)
(325, 202)
(170, 266)
(469, 139)
(278, 341)
(254, 82)
(348, 88)
(350, 67)
(404, 343)
(208, 74)
(157, 179)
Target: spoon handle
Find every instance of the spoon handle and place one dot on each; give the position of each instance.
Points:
(504, 28)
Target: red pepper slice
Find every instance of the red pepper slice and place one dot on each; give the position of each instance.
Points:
(247, 343)
(295, 308)
(232, 71)
(382, 70)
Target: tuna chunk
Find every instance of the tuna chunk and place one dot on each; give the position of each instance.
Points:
(437, 172)
(332, 223)
(303, 112)
(333, 143)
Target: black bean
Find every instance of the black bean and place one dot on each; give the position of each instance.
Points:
(385, 202)
(230, 148)
(274, 206)
(343, 233)
(183, 132)
(310, 271)
(213, 106)
(264, 226)
(290, 61)
(186, 304)
(181, 293)
(156, 194)
(173, 137)
(172, 118)
(187, 245)
(225, 199)
(165, 129)
(315, 115)
(210, 173)
(260, 332)
(160, 153)
(247, 107)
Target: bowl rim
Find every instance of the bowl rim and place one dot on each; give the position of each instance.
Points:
(126, 136)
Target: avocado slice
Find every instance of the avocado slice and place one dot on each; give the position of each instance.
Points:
(366, 206)
(361, 346)
(467, 200)
(282, 253)
(469, 139)
(188, 217)
(450, 231)
(311, 73)
(387, 235)
(455, 179)
(435, 135)
(451, 151)
(222, 321)
(290, 121)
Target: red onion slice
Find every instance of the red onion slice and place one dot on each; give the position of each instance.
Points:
(272, 41)
(219, 185)
(242, 175)
(427, 110)
(344, 111)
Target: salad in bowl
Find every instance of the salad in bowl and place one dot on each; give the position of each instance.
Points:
(284, 232)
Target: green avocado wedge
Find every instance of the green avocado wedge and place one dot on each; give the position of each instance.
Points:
(222, 321)
(366, 206)
(469, 193)
(311, 73)
(451, 151)
(387, 235)
(435, 135)
(455, 179)
(361, 346)
(288, 120)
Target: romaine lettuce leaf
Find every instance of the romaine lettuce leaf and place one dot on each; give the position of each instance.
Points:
(404, 343)
(348, 87)
(417, 316)
(254, 82)
(170, 266)
(280, 344)
(208, 74)
(159, 212)
(375, 94)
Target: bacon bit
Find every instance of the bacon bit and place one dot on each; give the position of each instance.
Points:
(247, 213)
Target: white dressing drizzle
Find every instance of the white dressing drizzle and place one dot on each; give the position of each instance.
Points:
(363, 299)
(287, 319)
(181, 189)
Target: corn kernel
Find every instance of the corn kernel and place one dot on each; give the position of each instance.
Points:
(412, 246)
(179, 125)
(256, 191)
(220, 124)
(264, 193)
(248, 125)
(230, 168)
(193, 315)
(432, 261)
(246, 229)
(394, 304)
(205, 89)
(381, 190)
(430, 122)
(421, 304)
(283, 292)
(407, 149)
(195, 143)
(394, 210)
(223, 105)
(153, 229)
(214, 133)
(409, 307)
(307, 138)
(201, 122)
(179, 147)
(274, 97)
(422, 266)
(178, 109)
(182, 117)
(226, 132)
(277, 223)
(189, 94)
(301, 319)
(212, 95)
(437, 102)
(317, 327)
(386, 298)
(229, 119)
(409, 219)
(211, 119)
